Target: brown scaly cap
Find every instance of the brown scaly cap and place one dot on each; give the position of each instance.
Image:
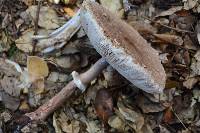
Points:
(123, 48)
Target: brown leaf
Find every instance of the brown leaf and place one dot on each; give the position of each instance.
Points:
(168, 115)
(190, 82)
(173, 39)
(37, 68)
(69, 11)
(103, 104)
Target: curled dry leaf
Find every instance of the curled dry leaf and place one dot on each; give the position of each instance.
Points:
(37, 70)
(69, 11)
(103, 104)
(37, 67)
(169, 11)
(173, 39)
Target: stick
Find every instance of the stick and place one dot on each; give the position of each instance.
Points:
(36, 26)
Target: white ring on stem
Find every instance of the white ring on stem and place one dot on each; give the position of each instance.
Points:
(78, 82)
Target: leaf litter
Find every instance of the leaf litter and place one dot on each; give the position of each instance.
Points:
(28, 80)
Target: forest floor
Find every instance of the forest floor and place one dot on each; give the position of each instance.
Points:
(32, 72)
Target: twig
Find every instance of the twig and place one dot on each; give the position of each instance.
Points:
(36, 26)
(178, 118)
(169, 27)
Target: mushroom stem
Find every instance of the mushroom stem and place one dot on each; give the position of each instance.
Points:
(54, 103)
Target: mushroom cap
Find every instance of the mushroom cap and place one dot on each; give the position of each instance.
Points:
(123, 48)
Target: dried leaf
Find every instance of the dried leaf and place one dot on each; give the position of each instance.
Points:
(48, 18)
(103, 104)
(148, 106)
(9, 101)
(198, 31)
(195, 65)
(69, 1)
(169, 11)
(168, 115)
(24, 42)
(62, 125)
(69, 11)
(37, 68)
(173, 39)
(92, 127)
(6, 116)
(71, 62)
(189, 4)
(10, 81)
(4, 42)
(112, 5)
(24, 106)
(116, 122)
(130, 115)
(190, 82)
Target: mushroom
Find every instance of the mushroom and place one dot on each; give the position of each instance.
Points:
(120, 46)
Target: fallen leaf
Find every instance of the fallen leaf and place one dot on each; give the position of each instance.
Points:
(6, 116)
(112, 5)
(103, 104)
(5, 42)
(37, 68)
(69, 1)
(92, 127)
(173, 39)
(195, 65)
(198, 31)
(71, 62)
(189, 4)
(28, 2)
(9, 101)
(24, 42)
(48, 18)
(136, 118)
(148, 106)
(10, 80)
(116, 122)
(143, 28)
(190, 82)
(169, 11)
(63, 124)
(24, 106)
(168, 115)
(69, 11)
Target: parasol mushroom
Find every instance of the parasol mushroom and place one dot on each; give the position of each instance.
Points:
(120, 46)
